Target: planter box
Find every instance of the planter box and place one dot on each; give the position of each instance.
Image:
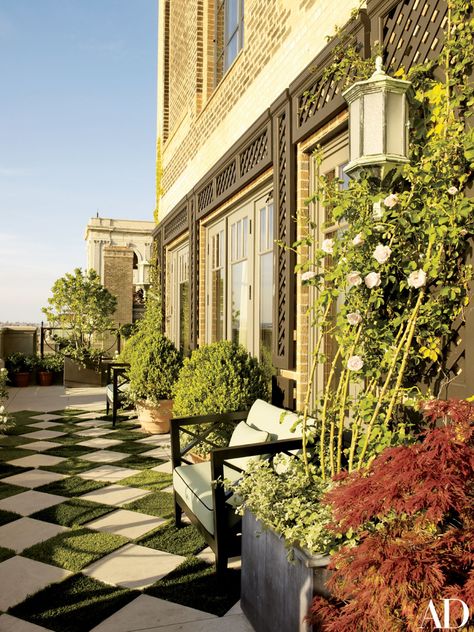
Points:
(76, 375)
(277, 594)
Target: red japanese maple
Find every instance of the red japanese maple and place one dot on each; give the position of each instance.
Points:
(413, 513)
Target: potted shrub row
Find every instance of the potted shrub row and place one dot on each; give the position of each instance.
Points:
(21, 368)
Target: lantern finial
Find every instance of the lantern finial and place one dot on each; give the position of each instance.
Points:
(378, 66)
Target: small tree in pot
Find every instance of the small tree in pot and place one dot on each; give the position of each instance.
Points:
(154, 366)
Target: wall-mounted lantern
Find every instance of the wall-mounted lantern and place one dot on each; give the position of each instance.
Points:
(378, 123)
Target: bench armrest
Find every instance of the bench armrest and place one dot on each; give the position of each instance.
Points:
(220, 455)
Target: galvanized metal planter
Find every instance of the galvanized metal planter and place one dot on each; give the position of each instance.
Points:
(277, 594)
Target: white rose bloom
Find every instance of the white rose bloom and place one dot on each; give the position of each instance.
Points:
(417, 278)
(358, 239)
(354, 318)
(372, 280)
(377, 211)
(355, 363)
(391, 200)
(382, 253)
(2, 409)
(306, 276)
(354, 278)
(328, 246)
(453, 190)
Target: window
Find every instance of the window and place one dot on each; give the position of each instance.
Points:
(240, 278)
(229, 34)
(180, 331)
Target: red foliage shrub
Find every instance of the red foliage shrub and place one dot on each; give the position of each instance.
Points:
(413, 513)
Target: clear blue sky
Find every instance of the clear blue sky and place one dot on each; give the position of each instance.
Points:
(77, 134)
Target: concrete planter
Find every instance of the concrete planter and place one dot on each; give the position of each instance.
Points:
(155, 419)
(277, 594)
(77, 376)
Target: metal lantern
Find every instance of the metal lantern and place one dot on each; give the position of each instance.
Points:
(378, 123)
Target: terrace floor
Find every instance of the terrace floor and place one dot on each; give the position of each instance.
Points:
(86, 537)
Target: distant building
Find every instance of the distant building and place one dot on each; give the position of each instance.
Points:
(119, 250)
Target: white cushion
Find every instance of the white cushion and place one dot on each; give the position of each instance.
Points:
(264, 416)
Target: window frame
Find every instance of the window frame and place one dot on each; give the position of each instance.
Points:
(222, 63)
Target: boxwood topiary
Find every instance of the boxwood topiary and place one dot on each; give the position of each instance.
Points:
(217, 378)
(154, 366)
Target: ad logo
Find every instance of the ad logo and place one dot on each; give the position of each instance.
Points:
(441, 617)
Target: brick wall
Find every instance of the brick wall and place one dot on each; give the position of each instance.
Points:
(118, 277)
(281, 38)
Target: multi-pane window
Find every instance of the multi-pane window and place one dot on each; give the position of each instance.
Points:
(240, 278)
(180, 331)
(229, 34)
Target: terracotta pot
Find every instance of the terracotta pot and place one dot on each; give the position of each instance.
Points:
(45, 378)
(155, 419)
(21, 379)
(199, 458)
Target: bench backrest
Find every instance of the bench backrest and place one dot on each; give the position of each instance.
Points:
(264, 416)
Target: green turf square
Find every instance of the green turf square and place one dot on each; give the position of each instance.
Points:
(8, 470)
(76, 604)
(159, 504)
(25, 416)
(68, 412)
(195, 584)
(73, 512)
(70, 451)
(5, 554)
(73, 486)
(7, 490)
(69, 439)
(147, 479)
(19, 429)
(8, 516)
(13, 441)
(130, 447)
(71, 467)
(75, 549)
(185, 541)
(10, 454)
(127, 435)
(137, 462)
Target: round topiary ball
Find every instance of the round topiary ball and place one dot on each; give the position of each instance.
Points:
(217, 378)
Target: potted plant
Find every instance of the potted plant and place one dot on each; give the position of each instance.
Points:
(154, 366)
(47, 367)
(218, 378)
(20, 366)
(82, 309)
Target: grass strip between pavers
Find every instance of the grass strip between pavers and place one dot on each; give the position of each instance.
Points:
(7, 490)
(159, 504)
(195, 584)
(8, 516)
(69, 451)
(8, 470)
(73, 486)
(147, 479)
(71, 467)
(137, 462)
(75, 549)
(73, 512)
(184, 541)
(130, 447)
(76, 604)
(6, 554)
(10, 454)
(13, 441)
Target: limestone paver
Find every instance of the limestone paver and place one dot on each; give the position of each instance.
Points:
(92, 423)
(236, 609)
(33, 478)
(12, 624)
(99, 442)
(146, 612)
(93, 432)
(46, 417)
(116, 495)
(22, 533)
(40, 446)
(127, 523)
(43, 434)
(20, 577)
(165, 468)
(92, 415)
(163, 440)
(30, 502)
(104, 456)
(157, 453)
(109, 473)
(44, 425)
(37, 460)
(232, 623)
(133, 566)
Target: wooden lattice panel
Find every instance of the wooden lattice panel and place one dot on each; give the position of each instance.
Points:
(225, 179)
(176, 225)
(319, 94)
(206, 196)
(254, 153)
(413, 31)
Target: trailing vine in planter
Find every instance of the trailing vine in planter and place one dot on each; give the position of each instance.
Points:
(395, 268)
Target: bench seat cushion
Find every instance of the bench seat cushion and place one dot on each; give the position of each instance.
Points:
(123, 389)
(193, 484)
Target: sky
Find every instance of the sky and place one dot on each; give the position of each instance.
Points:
(77, 134)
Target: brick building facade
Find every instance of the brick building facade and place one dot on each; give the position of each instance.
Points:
(238, 130)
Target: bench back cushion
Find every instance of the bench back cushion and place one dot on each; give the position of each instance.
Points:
(264, 416)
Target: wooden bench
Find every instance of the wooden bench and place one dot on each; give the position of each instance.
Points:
(208, 505)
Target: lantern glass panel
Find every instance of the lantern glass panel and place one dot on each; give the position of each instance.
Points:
(395, 123)
(373, 123)
(354, 129)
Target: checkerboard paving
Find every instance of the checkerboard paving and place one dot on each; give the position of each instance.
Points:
(137, 560)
